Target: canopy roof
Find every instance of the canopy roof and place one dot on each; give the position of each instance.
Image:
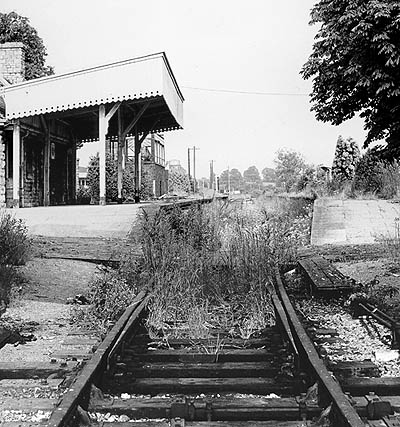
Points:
(75, 96)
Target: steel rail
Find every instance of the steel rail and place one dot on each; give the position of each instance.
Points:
(344, 413)
(383, 319)
(79, 391)
(186, 204)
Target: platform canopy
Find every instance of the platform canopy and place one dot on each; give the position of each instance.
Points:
(73, 95)
(132, 97)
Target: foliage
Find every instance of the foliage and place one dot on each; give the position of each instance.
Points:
(215, 261)
(16, 28)
(289, 167)
(355, 65)
(14, 250)
(345, 161)
(177, 182)
(307, 179)
(235, 180)
(128, 179)
(14, 242)
(251, 175)
(252, 180)
(368, 172)
(268, 174)
(374, 174)
(83, 195)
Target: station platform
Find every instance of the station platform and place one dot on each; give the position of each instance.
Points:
(111, 221)
(349, 222)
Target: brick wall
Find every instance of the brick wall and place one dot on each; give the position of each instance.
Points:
(2, 172)
(12, 61)
(155, 174)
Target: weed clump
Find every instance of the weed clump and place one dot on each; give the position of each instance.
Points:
(14, 250)
(206, 270)
(208, 267)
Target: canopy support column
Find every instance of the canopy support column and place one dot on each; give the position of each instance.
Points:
(103, 129)
(121, 140)
(103, 124)
(16, 163)
(138, 145)
(46, 161)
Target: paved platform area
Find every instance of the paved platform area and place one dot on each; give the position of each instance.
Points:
(352, 221)
(111, 221)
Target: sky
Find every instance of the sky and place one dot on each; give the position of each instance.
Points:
(257, 46)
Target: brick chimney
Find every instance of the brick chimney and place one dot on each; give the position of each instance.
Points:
(12, 61)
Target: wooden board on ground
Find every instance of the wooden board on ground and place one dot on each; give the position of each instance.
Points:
(224, 408)
(155, 386)
(323, 277)
(9, 370)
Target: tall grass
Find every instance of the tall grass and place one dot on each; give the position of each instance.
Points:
(209, 266)
(14, 250)
(206, 269)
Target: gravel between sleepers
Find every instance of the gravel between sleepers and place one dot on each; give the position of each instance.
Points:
(359, 342)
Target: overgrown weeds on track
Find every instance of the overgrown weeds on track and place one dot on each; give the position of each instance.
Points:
(206, 269)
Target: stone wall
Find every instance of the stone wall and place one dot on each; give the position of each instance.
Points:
(12, 61)
(2, 173)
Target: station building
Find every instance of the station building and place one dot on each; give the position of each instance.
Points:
(125, 105)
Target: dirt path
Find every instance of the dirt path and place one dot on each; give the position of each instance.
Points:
(40, 308)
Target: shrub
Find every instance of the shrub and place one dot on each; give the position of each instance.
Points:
(14, 250)
(83, 196)
(345, 161)
(128, 179)
(376, 175)
(14, 242)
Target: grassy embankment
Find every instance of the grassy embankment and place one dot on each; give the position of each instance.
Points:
(206, 268)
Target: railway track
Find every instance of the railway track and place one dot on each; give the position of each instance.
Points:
(275, 379)
(213, 382)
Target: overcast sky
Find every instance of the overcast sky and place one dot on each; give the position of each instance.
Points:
(249, 46)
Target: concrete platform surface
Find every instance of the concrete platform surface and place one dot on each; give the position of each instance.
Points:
(80, 220)
(353, 221)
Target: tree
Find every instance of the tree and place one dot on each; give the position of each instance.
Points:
(290, 166)
(16, 28)
(355, 66)
(268, 174)
(128, 179)
(251, 178)
(235, 180)
(251, 175)
(347, 155)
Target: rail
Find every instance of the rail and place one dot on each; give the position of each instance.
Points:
(329, 390)
(383, 319)
(79, 391)
(186, 204)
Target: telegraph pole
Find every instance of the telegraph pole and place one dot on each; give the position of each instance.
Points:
(229, 181)
(212, 187)
(194, 168)
(190, 187)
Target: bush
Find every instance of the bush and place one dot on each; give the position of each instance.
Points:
(345, 161)
(14, 250)
(376, 175)
(14, 242)
(83, 196)
(128, 179)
